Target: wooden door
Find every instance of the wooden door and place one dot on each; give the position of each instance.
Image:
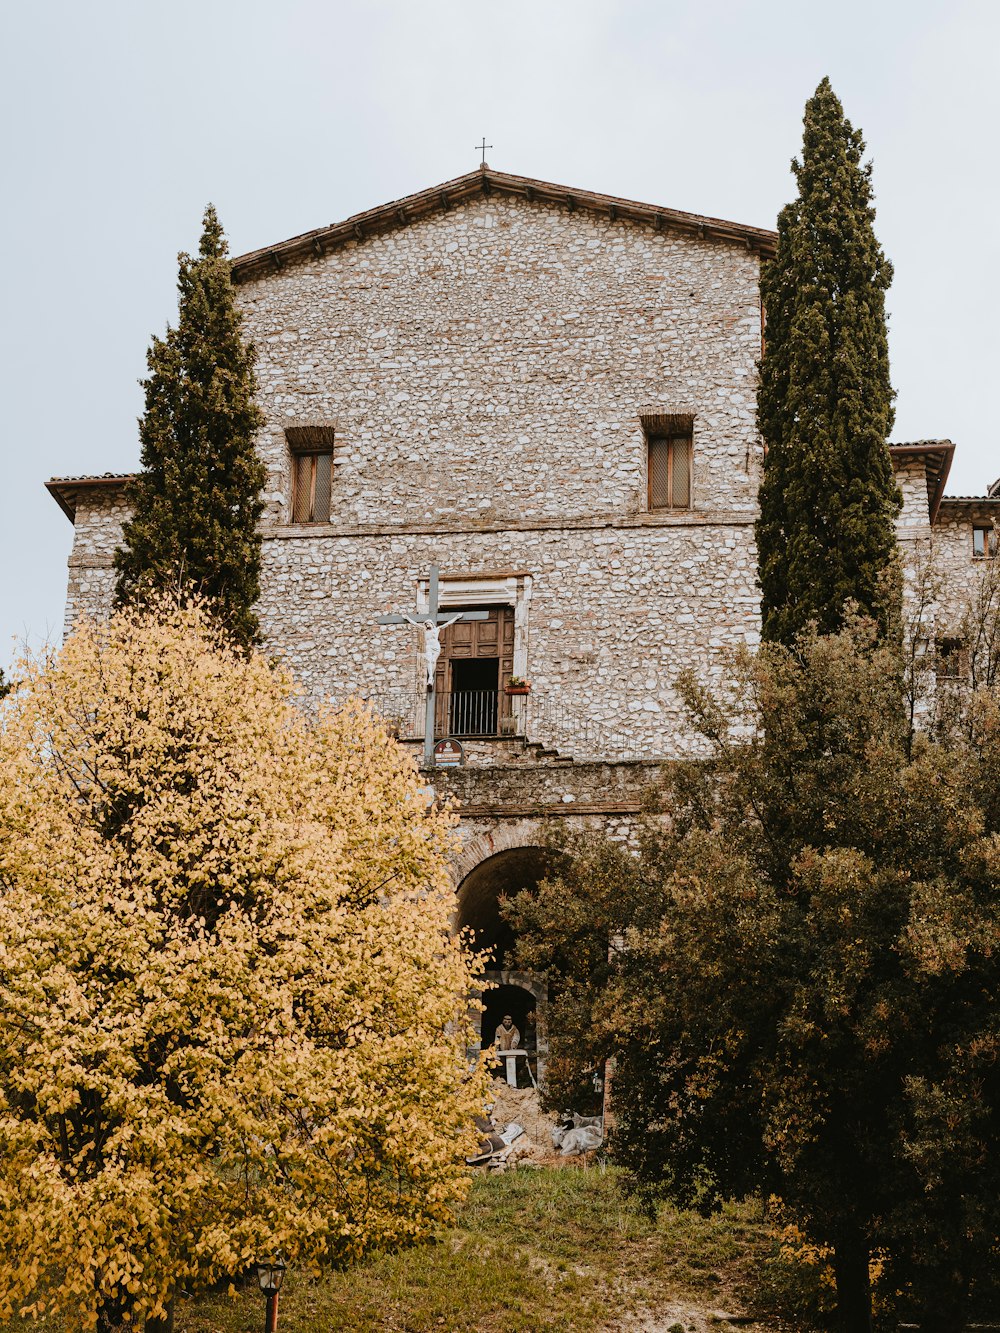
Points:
(486, 641)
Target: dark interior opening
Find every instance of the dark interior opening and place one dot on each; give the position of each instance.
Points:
(500, 876)
(517, 1002)
(474, 696)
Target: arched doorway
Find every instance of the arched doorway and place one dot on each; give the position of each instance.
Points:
(521, 994)
(504, 998)
(499, 876)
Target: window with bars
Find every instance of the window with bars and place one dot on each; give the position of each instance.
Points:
(983, 543)
(312, 472)
(668, 470)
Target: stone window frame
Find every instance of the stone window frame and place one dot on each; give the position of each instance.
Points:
(669, 427)
(984, 541)
(308, 445)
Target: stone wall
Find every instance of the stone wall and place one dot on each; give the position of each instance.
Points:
(615, 614)
(550, 790)
(957, 573)
(911, 478)
(487, 371)
(97, 531)
(491, 363)
(942, 569)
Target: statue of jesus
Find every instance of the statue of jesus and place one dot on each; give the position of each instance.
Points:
(432, 642)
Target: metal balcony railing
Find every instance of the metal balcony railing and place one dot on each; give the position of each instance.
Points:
(552, 722)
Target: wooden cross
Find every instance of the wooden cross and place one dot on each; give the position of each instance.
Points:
(437, 617)
(481, 148)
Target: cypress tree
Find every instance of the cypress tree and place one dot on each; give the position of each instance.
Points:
(197, 501)
(828, 500)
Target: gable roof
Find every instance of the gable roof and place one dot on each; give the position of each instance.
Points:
(485, 181)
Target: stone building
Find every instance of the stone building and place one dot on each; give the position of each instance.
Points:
(549, 394)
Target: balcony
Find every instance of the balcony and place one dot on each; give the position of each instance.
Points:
(550, 724)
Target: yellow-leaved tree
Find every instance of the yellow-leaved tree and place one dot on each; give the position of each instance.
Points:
(232, 1011)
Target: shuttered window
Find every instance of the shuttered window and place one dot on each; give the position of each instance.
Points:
(669, 471)
(311, 474)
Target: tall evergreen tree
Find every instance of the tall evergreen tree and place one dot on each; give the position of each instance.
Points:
(197, 501)
(824, 407)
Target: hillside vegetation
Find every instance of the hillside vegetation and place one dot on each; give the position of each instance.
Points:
(533, 1251)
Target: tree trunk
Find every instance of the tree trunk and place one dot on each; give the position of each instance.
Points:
(111, 1319)
(854, 1293)
(165, 1324)
(944, 1304)
(110, 1315)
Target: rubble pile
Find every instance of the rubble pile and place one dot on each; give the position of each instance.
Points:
(536, 1146)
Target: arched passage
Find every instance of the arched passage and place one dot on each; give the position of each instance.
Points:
(504, 998)
(480, 893)
(502, 875)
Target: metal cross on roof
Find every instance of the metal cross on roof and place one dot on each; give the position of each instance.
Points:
(431, 620)
(481, 148)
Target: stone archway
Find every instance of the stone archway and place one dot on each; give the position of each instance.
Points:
(501, 873)
(499, 876)
(503, 837)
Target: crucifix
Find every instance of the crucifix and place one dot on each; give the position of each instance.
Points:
(432, 622)
(481, 148)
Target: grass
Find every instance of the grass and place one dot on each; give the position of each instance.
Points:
(531, 1252)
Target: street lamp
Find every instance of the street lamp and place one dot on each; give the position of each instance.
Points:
(269, 1275)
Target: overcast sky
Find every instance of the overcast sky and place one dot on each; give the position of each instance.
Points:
(121, 120)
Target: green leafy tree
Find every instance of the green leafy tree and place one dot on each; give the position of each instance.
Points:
(825, 534)
(797, 979)
(197, 501)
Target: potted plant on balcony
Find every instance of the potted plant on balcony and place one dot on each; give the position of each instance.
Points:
(517, 685)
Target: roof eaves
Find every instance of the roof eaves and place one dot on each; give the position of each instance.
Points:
(64, 489)
(937, 456)
(401, 212)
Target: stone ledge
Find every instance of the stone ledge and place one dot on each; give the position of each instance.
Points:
(734, 518)
(560, 810)
(559, 791)
(91, 562)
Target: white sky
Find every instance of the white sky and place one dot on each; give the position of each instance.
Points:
(123, 119)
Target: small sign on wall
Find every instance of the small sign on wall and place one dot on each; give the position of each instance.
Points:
(449, 754)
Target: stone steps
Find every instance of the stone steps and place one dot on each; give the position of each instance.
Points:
(542, 752)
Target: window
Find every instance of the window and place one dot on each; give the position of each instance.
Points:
(952, 659)
(311, 488)
(983, 543)
(669, 469)
(312, 472)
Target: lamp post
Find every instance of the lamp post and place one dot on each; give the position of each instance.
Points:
(269, 1275)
